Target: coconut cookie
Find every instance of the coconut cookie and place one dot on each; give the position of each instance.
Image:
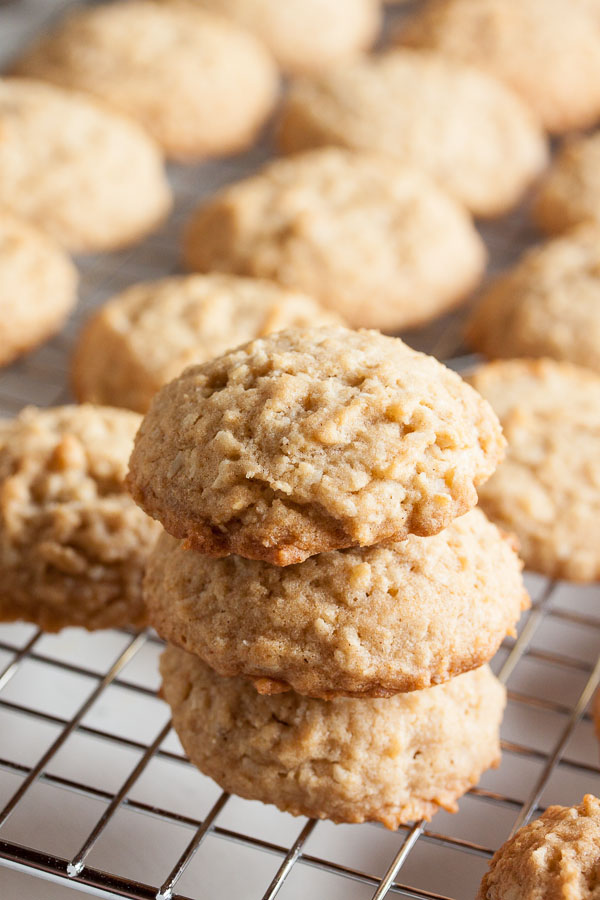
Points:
(305, 35)
(547, 491)
(418, 108)
(311, 440)
(376, 241)
(196, 82)
(547, 305)
(73, 545)
(370, 622)
(349, 760)
(87, 176)
(147, 335)
(554, 858)
(38, 287)
(570, 193)
(547, 50)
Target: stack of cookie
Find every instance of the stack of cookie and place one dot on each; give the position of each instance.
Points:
(329, 599)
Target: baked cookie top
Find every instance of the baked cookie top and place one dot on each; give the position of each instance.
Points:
(547, 490)
(554, 858)
(38, 285)
(361, 622)
(350, 760)
(311, 440)
(306, 35)
(570, 193)
(368, 236)
(198, 83)
(419, 107)
(73, 545)
(87, 176)
(515, 41)
(547, 305)
(148, 334)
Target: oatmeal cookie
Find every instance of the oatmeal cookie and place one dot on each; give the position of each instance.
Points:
(311, 440)
(349, 760)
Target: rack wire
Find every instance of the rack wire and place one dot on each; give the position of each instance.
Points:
(95, 791)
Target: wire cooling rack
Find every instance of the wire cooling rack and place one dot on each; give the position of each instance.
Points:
(95, 791)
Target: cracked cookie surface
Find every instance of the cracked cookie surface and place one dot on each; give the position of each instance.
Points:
(311, 440)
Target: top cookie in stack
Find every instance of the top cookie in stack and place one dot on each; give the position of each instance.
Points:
(312, 440)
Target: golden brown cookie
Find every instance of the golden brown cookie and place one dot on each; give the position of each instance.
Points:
(367, 236)
(197, 83)
(547, 50)
(305, 35)
(311, 440)
(350, 760)
(373, 622)
(465, 129)
(89, 177)
(547, 305)
(73, 545)
(547, 491)
(147, 335)
(570, 193)
(38, 287)
(557, 857)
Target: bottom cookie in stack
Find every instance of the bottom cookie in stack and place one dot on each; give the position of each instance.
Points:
(349, 759)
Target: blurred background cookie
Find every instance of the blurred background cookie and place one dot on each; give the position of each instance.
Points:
(464, 128)
(38, 287)
(367, 236)
(570, 193)
(147, 335)
(89, 177)
(364, 622)
(349, 760)
(73, 544)
(305, 35)
(547, 50)
(547, 305)
(199, 84)
(547, 490)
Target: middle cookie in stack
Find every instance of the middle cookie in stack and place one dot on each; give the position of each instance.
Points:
(304, 452)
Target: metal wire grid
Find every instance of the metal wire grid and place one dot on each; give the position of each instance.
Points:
(77, 869)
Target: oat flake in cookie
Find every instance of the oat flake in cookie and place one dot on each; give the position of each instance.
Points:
(311, 440)
(73, 545)
(349, 760)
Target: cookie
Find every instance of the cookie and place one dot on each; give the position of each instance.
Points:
(367, 236)
(547, 305)
(73, 545)
(311, 440)
(305, 35)
(362, 622)
(87, 176)
(554, 858)
(419, 107)
(349, 760)
(547, 50)
(147, 335)
(38, 287)
(570, 193)
(197, 83)
(547, 491)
